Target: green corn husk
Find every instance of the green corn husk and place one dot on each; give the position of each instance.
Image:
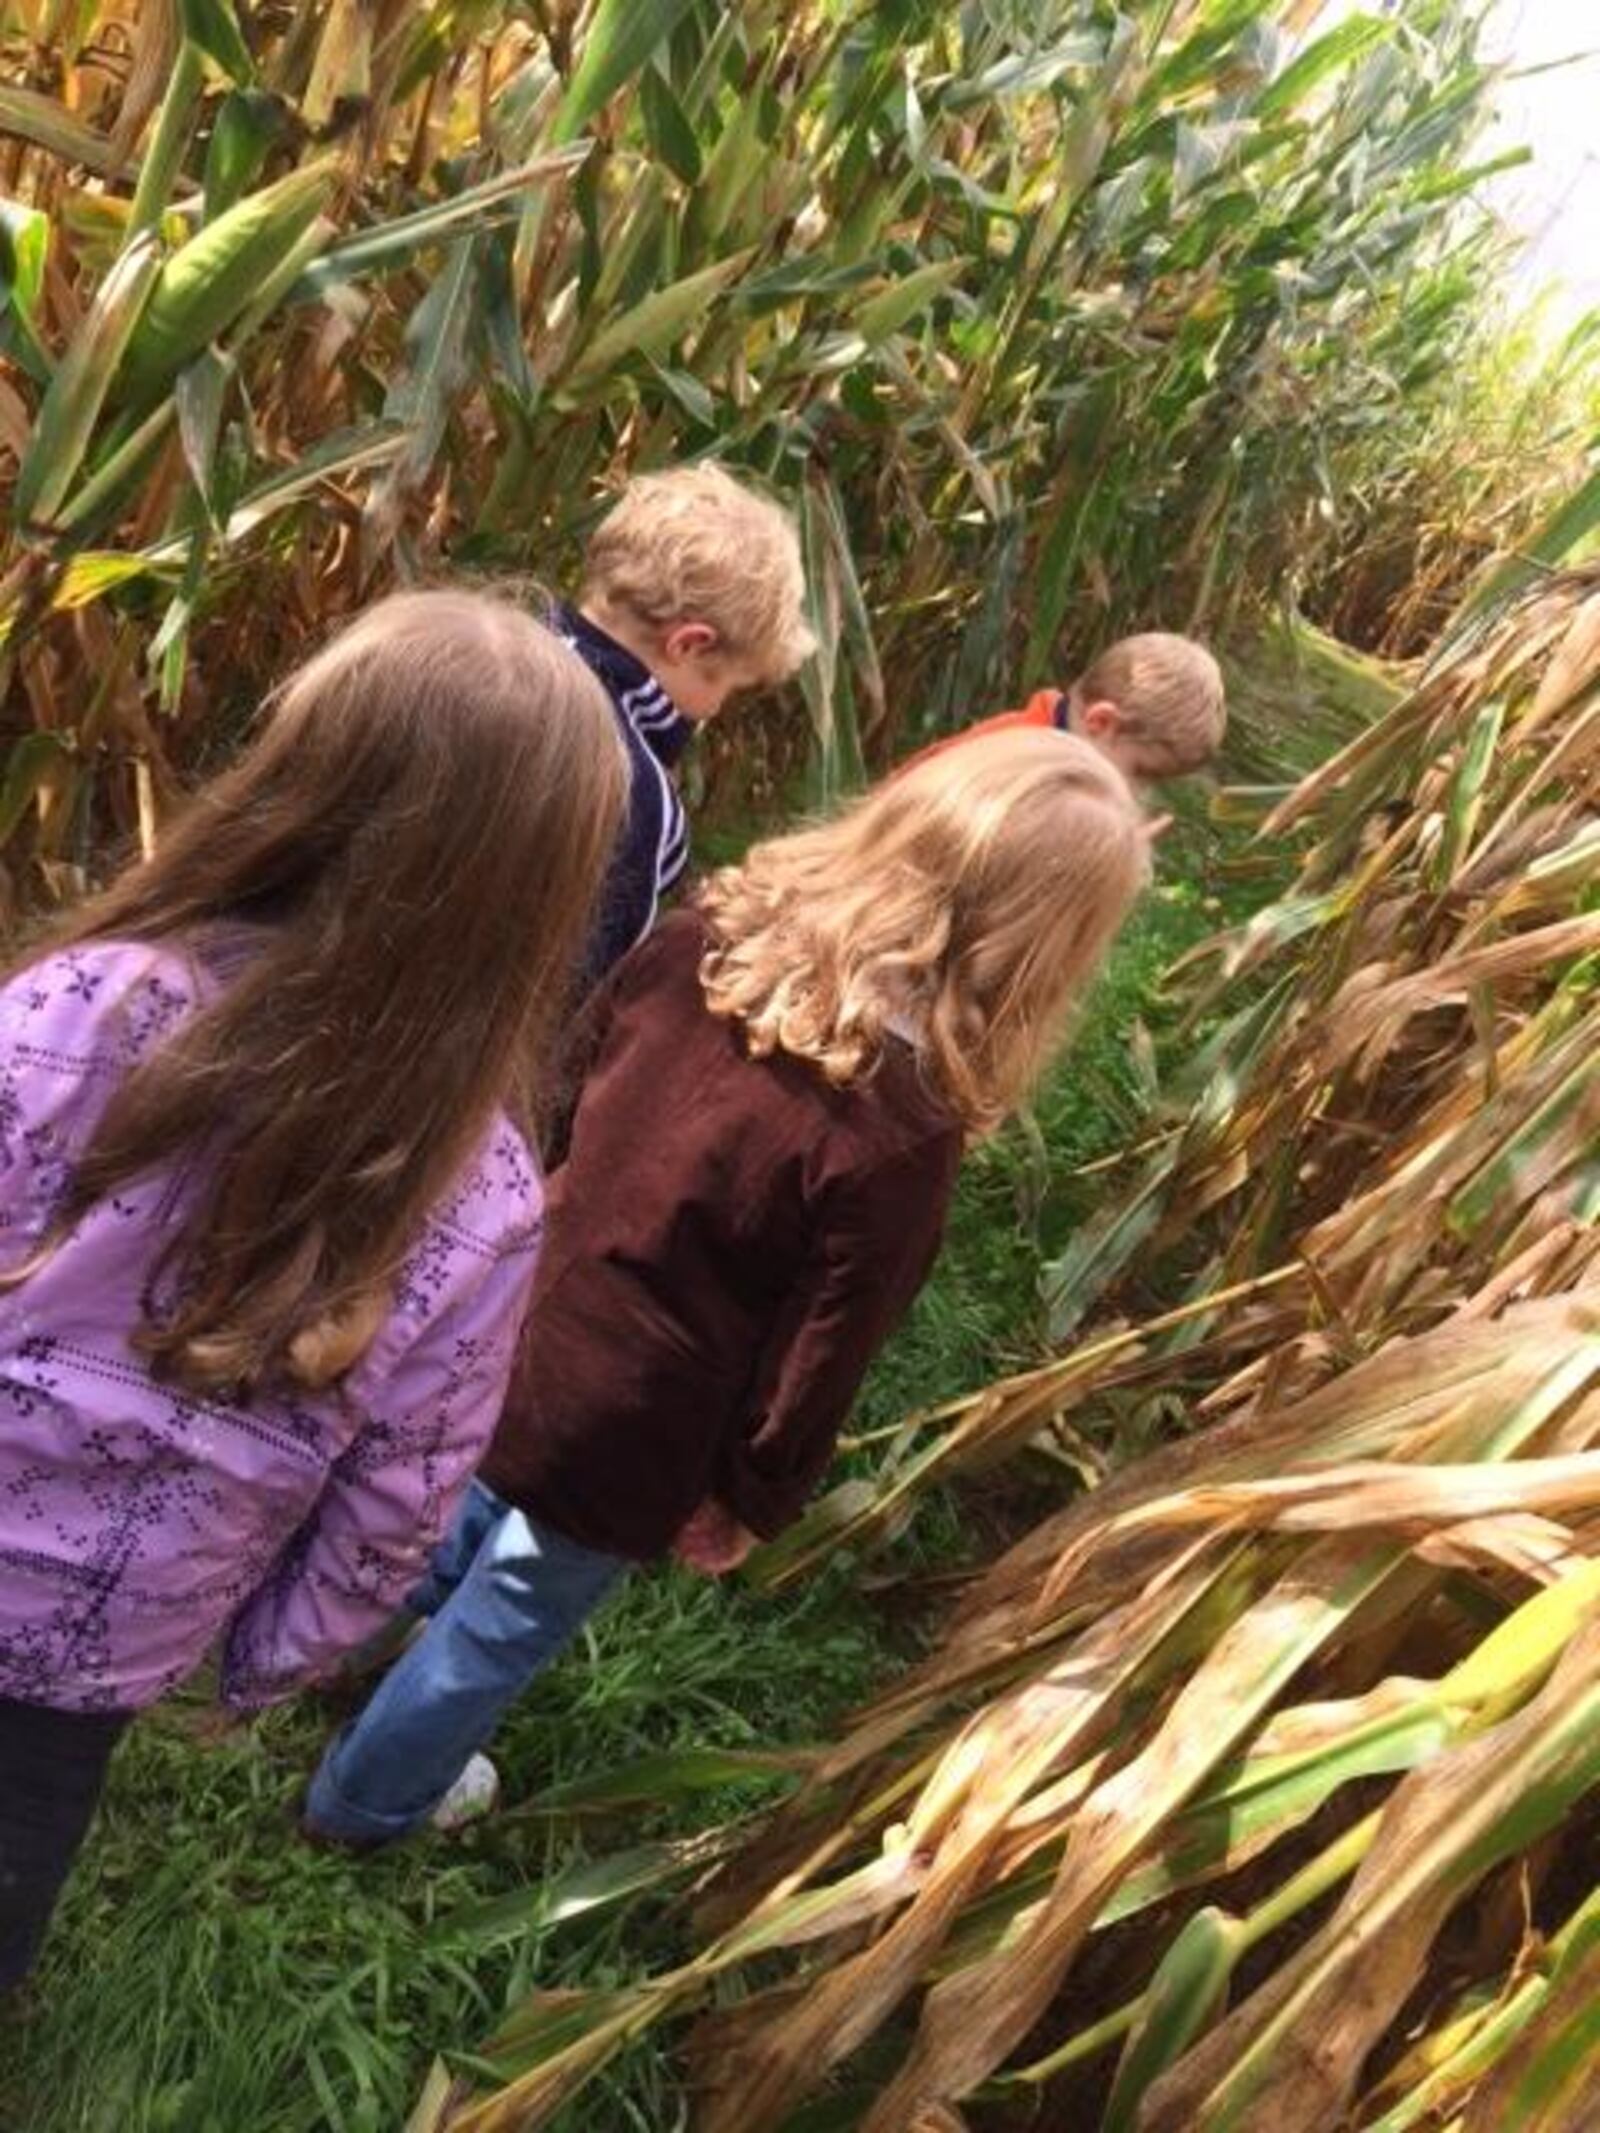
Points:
(205, 286)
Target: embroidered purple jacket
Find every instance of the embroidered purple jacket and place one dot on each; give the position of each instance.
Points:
(137, 1521)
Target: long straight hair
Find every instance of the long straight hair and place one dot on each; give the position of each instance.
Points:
(970, 899)
(416, 838)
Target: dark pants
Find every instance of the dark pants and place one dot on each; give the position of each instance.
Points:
(52, 1766)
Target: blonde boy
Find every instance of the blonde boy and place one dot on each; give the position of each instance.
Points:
(692, 590)
(1152, 703)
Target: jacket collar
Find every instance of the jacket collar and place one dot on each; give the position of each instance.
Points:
(635, 691)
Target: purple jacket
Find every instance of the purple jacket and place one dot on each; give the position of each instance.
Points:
(138, 1521)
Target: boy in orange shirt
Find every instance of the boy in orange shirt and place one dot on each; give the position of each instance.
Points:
(1153, 704)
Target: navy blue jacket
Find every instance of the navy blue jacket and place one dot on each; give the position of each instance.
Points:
(653, 849)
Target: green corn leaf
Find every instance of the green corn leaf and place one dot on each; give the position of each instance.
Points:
(478, 207)
(650, 327)
(82, 380)
(247, 126)
(676, 1774)
(545, 2023)
(593, 1885)
(1190, 1984)
(358, 451)
(169, 142)
(200, 392)
(361, 450)
(1101, 1249)
(106, 488)
(1571, 526)
(502, 322)
(829, 1519)
(24, 248)
(1467, 789)
(846, 654)
(94, 572)
(1025, 74)
(423, 393)
(169, 648)
(799, 278)
(621, 36)
(212, 27)
(890, 309)
(699, 405)
(671, 136)
(730, 190)
(1339, 47)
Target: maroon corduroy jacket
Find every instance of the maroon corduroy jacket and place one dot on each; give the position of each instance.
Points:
(729, 1243)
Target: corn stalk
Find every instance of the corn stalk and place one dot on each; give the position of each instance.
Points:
(1038, 313)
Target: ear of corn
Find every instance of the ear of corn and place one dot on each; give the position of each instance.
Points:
(205, 285)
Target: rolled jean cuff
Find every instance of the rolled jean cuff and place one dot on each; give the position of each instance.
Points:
(330, 1814)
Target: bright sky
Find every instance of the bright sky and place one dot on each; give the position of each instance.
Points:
(1555, 201)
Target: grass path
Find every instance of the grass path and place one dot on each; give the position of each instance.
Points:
(210, 1974)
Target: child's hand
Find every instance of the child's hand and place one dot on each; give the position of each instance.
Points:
(712, 1540)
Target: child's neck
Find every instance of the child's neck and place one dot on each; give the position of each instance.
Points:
(622, 628)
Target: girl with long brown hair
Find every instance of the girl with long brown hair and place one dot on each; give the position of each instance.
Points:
(268, 1213)
(760, 1163)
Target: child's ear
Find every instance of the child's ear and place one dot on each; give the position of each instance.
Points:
(1101, 720)
(689, 640)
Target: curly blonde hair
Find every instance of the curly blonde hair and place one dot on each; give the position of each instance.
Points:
(967, 902)
(693, 544)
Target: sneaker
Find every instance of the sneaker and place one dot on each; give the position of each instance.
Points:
(473, 1795)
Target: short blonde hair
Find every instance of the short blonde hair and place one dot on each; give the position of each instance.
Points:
(972, 897)
(1169, 691)
(694, 544)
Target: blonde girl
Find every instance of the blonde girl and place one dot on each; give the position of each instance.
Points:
(761, 1160)
(268, 1219)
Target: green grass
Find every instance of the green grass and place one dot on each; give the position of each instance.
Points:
(210, 1974)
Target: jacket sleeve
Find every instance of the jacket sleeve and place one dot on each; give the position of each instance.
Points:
(73, 1026)
(650, 855)
(875, 1246)
(389, 1495)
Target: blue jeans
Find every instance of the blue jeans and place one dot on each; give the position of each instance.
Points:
(502, 1596)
